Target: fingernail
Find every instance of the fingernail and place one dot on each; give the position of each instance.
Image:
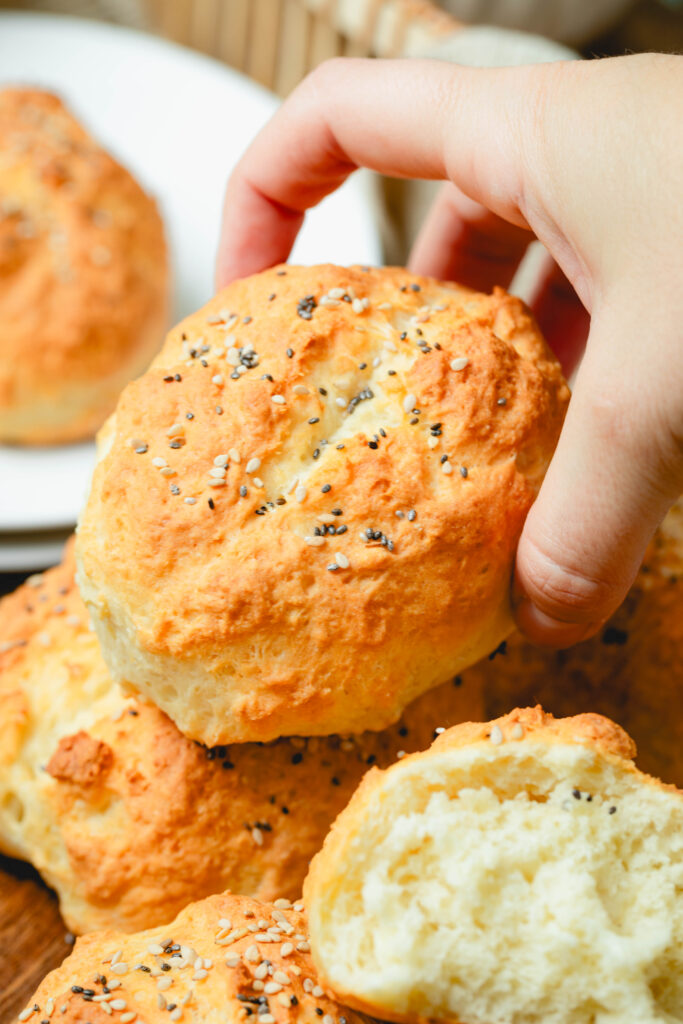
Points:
(546, 631)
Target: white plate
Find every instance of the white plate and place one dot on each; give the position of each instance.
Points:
(179, 121)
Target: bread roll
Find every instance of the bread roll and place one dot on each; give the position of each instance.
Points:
(307, 510)
(83, 274)
(631, 671)
(128, 820)
(223, 959)
(521, 871)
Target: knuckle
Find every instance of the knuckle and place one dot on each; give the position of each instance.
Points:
(565, 590)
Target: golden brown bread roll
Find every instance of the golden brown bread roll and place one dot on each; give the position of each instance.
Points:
(308, 507)
(521, 871)
(128, 820)
(224, 959)
(631, 671)
(83, 274)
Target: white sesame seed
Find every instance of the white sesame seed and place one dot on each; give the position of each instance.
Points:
(517, 732)
(233, 356)
(460, 363)
(252, 954)
(25, 1014)
(377, 361)
(261, 971)
(217, 378)
(389, 345)
(282, 904)
(357, 306)
(107, 1009)
(341, 402)
(158, 462)
(164, 983)
(266, 1018)
(177, 1013)
(257, 481)
(118, 1004)
(257, 985)
(336, 293)
(49, 1006)
(328, 1019)
(298, 906)
(341, 560)
(278, 399)
(122, 968)
(400, 754)
(225, 922)
(111, 985)
(167, 471)
(303, 947)
(233, 961)
(217, 472)
(300, 493)
(199, 974)
(190, 501)
(235, 455)
(253, 465)
(409, 403)
(439, 729)
(155, 949)
(326, 300)
(161, 1002)
(300, 389)
(221, 461)
(308, 985)
(271, 987)
(314, 541)
(128, 1018)
(175, 430)
(317, 992)
(433, 441)
(257, 836)
(496, 735)
(284, 999)
(326, 517)
(286, 948)
(241, 370)
(281, 978)
(446, 467)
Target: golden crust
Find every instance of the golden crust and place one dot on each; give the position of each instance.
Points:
(527, 726)
(631, 671)
(273, 968)
(129, 820)
(227, 616)
(83, 274)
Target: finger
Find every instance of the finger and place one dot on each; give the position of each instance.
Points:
(616, 471)
(561, 315)
(462, 241)
(421, 119)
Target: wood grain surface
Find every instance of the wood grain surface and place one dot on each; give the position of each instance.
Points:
(33, 936)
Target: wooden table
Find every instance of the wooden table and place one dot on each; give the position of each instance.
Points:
(32, 936)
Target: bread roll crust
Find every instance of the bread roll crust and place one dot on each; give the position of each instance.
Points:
(211, 964)
(83, 274)
(126, 818)
(215, 589)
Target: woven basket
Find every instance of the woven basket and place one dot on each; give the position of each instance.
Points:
(276, 42)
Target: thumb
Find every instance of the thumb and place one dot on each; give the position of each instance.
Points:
(617, 469)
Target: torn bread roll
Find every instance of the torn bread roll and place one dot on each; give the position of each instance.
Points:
(126, 818)
(521, 871)
(307, 509)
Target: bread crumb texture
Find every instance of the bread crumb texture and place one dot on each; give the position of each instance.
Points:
(307, 509)
(518, 872)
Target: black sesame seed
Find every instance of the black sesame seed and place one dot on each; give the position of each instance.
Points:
(176, 376)
(266, 376)
(290, 353)
(211, 503)
(168, 379)
(463, 471)
(437, 346)
(403, 731)
(612, 810)
(576, 793)
(414, 421)
(176, 444)
(322, 391)
(219, 410)
(314, 419)
(391, 373)
(339, 447)
(281, 273)
(280, 501)
(502, 401)
(318, 1011)
(317, 532)
(382, 432)
(247, 320)
(613, 636)
(316, 453)
(444, 458)
(297, 758)
(332, 567)
(415, 287)
(243, 491)
(175, 489)
(76, 989)
(412, 515)
(271, 296)
(457, 681)
(362, 366)
(293, 999)
(373, 444)
(142, 449)
(371, 759)
(500, 649)
(341, 529)
(337, 512)
(325, 488)
(285, 810)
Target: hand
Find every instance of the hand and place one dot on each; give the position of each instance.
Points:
(588, 157)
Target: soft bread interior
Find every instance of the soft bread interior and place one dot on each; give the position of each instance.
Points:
(524, 884)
